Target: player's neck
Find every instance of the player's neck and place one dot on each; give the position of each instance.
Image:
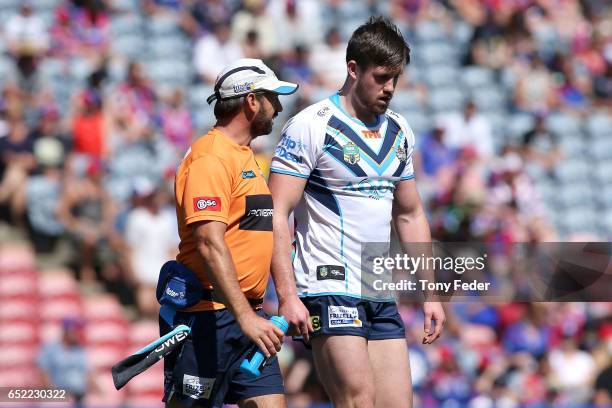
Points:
(353, 106)
(238, 132)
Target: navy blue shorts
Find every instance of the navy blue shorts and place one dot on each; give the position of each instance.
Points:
(205, 371)
(348, 316)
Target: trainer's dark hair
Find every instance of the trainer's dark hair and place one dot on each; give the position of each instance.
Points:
(378, 42)
(228, 108)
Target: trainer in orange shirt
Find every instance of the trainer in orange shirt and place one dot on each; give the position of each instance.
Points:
(224, 211)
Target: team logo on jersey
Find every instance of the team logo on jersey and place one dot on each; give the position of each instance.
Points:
(351, 153)
(401, 153)
(371, 134)
(207, 204)
(334, 272)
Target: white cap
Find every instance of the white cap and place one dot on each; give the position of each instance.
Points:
(248, 75)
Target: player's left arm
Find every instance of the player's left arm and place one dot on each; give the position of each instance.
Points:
(411, 225)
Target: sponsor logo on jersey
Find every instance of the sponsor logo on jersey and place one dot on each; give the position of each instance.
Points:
(374, 189)
(281, 152)
(207, 204)
(323, 111)
(316, 322)
(401, 153)
(351, 153)
(197, 387)
(247, 86)
(257, 213)
(248, 174)
(334, 272)
(343, 316)
(371, 134)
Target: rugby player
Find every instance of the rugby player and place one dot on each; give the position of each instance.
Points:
(344, 168)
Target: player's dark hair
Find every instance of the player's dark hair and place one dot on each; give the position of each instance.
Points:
(226, 109)
(378, 42)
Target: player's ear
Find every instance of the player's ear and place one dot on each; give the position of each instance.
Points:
(251, 104)
(352, 69)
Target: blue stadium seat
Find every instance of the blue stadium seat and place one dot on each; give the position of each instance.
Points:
(419, 122)
(446, 99)
(561, 123)
(599, 125)
(126, 5)
(518, 124)
(161, 25)
(170, 72)
(573, 146)
(204, 119)
(573, 194)
(575, 170)
(132, 46)
(430, 31)
(489, 99)
(128, 24)
(169, 46)
(601, 148)
(406, 100)
(579, 219)
(198, 94)
(441, 75)
(45, 5)
(475, 76)
(429, 54)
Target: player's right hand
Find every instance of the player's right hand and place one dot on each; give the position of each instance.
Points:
(298, 317)
(264, 334)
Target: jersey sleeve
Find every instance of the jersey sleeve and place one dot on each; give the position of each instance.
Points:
(409, 145)
(297, 151)
(208, 188)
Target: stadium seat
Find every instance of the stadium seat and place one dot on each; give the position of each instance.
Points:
(169, 46)
(132, 46)
(579, 219)
(104, 357)
(406, 100)
(489, 99)
(18, 310)
(430, 31)
(102, 307)
(420, 123)
(599, 125)
(573, 145)
(18, 356)
(476, 76)
(561, 123)
(17, 258)
(18, 287)
(58, 283)
(571, 195)
(58, 310)
(441, 75)
(430, 54)
(107, 395)
(572, 170)
(162, 25)
(446, 99)
(126, 24)
(107, 333)
(142, 333)
(601, 148)
(126, 5)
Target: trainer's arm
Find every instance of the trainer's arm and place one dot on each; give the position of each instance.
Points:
(286, 193)
(411, 225)
(210, 241)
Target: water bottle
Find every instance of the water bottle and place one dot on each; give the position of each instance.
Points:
(251, 367)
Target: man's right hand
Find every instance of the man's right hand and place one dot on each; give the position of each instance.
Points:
(263, 333)
(298, 317)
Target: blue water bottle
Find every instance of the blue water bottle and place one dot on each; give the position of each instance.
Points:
(251, 367)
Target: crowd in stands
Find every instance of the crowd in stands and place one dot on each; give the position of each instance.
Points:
(509, 102)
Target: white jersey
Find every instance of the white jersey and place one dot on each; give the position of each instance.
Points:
(351, 170)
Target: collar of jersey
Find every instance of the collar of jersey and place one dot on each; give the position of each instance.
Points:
(335, 99)
(228, 140)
